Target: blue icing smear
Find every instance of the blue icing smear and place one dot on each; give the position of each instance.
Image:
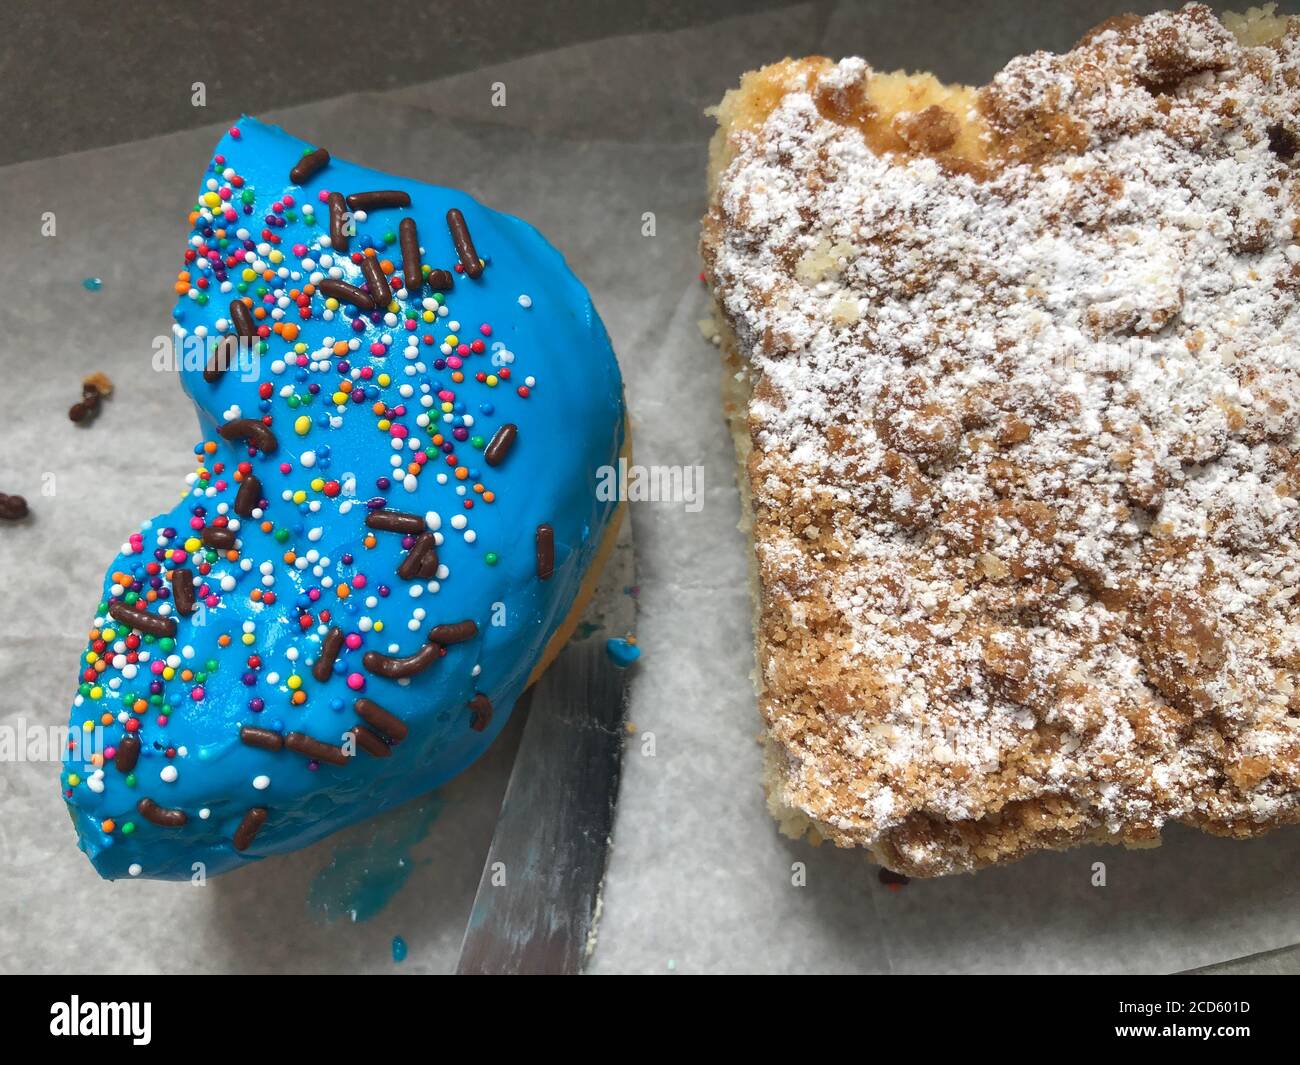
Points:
(245, 655)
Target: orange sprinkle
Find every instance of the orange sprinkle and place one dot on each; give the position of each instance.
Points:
(223, 640)
(488, 497)
(105, 719)
(370, 540)
(210, 447)
(289, 330)
(139, 706)
(290, 557)
(187, 675)
(340, 347)
(267, 526)
(344, 591)
(462, 473)
(386, 265)
(107, 825)
(298, 698)
(458, 377)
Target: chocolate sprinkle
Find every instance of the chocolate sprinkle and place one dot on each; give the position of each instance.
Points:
(142, 620)
(242, 318)
(256, 433)
(387, 725)
(545, 552)
(412, 268)
(249, 496)
(321, 752)
(421, 561)
(440, 280)
(323, 668)
(249, 827)
(263, 738)
(370, 743)
(341, 290)
(397, 521)
(128, 753)
(12, 508)
(482, 707)
(221, 538)
(454, 632)
(367, 201)
(376, 282)
(161, 815)
(338, 220)
(464, 243)
(396, 668)
(500, 444)
(183, 590)
(308, 165)
(222, 357)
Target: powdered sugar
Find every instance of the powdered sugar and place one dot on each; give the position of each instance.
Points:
(1027, 448)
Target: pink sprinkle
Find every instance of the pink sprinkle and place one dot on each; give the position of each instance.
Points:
(462, 350)
(225, 192)
(234, 132)
(288, 200)
(313, 594)
(410, 325)
(178, 555)
(353, 640)
(197, 693)
(323, 195)
(378, 349)
(286, 467)
(398, 431)
(454, 362)
(300, 250)
(196, 523)
(446, 396)
(356, 681)
(485, 329)
(359, 580)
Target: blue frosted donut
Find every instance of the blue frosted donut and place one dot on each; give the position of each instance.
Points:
(404, 398)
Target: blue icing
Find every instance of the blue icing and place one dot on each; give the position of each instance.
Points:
(570, 424)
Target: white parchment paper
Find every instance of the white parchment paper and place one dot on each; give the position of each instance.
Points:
(603, 148)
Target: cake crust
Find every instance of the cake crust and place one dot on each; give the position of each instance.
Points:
(1015, 379)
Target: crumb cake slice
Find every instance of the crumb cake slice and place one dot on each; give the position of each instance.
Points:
(1014, 376)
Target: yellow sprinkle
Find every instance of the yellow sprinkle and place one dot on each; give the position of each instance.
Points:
(384, 380)
(276, 256)
(249, 639)
(294, 682)
(332, 304)
(453, 340)
(491, 380)
(317, 483)
(249, 275)
(429, 316)
(379, 626)
(384, 424)
(96, 692)
(339, 398)
(73, 780)
(91, 658)
(168, 672)
(302, 425)
(108, 634)
(300, 348)
(87, 726)
(299, 496)
(211, 199)
(446, 408)
(193, 544)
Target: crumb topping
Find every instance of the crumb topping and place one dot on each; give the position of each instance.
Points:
(1025, 428)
